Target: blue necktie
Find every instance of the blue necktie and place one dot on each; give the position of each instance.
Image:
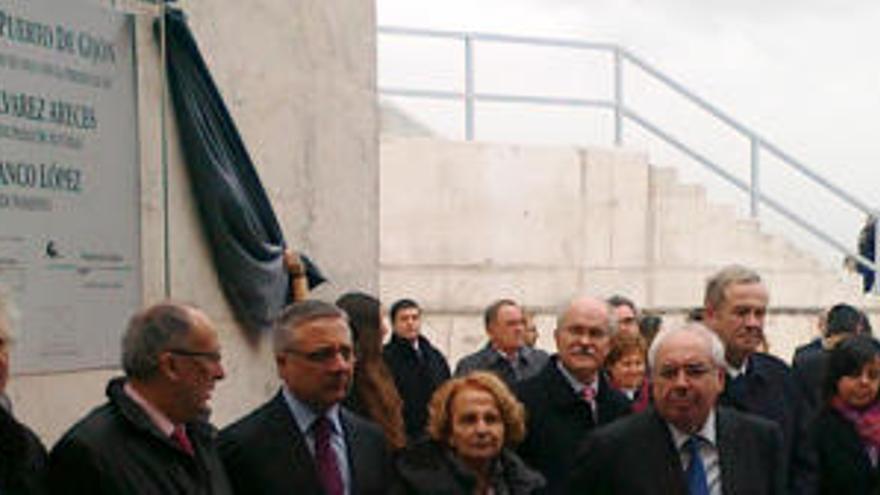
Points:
(696, 472)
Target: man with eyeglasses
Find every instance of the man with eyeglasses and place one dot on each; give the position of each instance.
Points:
(570, 396)
(302, 440)
(152, 435)
(686, 444)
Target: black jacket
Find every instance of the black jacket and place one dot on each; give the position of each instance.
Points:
(22, 458)
(844, 466)
(416, 377)
(429, 468)
(769, 389)
(637, 456)
(116, 449)
(809, 372)
(558, 420)
(529, 362)
(266, 454)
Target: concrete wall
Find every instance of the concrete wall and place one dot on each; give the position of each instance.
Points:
(463, 224)
(299, 79)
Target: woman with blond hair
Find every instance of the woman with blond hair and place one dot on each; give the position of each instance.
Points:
(473, 422)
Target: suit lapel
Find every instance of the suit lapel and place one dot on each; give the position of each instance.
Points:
(731, 471)
(300, 467)
(563, 396)
(660, 446)
(353, 443)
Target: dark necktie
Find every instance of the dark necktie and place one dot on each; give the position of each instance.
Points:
(178, 436)
(696, 471)
(325, 457)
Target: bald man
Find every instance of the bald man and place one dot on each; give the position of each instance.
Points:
(570, 396)
(686, 444)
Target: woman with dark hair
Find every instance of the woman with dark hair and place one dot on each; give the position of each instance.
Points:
(847, 431)
(626, 364)
(373, 394)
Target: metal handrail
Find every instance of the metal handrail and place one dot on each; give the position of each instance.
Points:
(622, 113)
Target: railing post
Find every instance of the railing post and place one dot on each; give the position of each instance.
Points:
(754, 183)
(468, 87)
(618, 97)
(876, 288)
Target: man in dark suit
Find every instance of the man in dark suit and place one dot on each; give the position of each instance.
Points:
(417, 366)
(841, 321)
(685, 445)
(505, 354)
(302, 440)
(150, 436)
(570, 396)
(735, 307)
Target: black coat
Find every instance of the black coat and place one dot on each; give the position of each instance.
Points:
(265, 453)
(429, 468)
(558, 420)
(809, 372)
(23, 459)
(844, 466)
(117, 449)
(769, 389)
(416, 378)
(637, 456)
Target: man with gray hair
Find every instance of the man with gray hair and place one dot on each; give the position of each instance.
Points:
(152, 435)
(570, 396)
(22, 455)
(736, 302)
(302, 440)
(687, 444)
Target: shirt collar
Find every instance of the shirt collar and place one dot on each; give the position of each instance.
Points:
(707, 432)
(517, 356)
(736, 372)
(577, 385)
(304, 415)
(158, 418)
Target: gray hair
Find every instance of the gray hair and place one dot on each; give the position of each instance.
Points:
(562, 311)
(152, 331)
(715, 347)
(727, 276)
(296, 315)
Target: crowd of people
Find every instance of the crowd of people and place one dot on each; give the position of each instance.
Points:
(624, 405)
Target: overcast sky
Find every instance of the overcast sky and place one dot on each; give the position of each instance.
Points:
(803, 73)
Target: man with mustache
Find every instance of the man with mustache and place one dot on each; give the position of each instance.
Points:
(735, 308)
(686, 444)
(302, 440)
(570, 396)
(152, 435)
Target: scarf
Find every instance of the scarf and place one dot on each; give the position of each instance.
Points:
(866, 421)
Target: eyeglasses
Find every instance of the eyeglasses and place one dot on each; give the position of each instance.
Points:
(212, 356)
(691, 371)
(324, 355)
